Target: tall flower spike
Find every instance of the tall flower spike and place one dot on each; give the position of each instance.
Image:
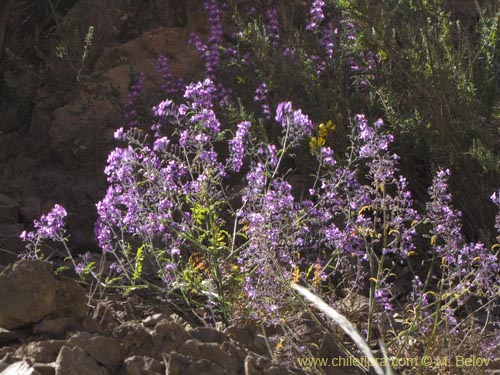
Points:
(317, 15)
(446, 228)
(273, 27)
(237, 146)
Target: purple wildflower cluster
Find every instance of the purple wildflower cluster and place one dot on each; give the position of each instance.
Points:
(49, 227)
(296, 124)
(495, 198)
(277, 232)
(237, 146)
(470, 268)
(170, 85)
(261, 93)
(132, 104)
(327, 40)
(210, 51)
(354, 226)
(446, 228)
(273, 27)
(317, 15)
(149, 183)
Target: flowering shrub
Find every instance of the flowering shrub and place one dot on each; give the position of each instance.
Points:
(203, 204)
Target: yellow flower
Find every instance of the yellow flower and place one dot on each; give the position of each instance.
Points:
(316, 143)
(324, 129)
(322, 133)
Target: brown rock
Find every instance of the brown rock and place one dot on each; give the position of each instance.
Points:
(74, 361)
(105, 350)
(248, 337)
(226, 356)
(7, 336)
(71, 299)
(44, 368)
(142, 365)
(55, 327)
(167, 337)
(40, 351)
(179, 364)
(92, 325)
(235, 352)
(134, 338)
(255, 364)
(206, 334)
(153, 320)
(27, 292)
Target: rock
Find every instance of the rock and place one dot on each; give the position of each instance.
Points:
(9, 214)
(92, 325)
(142, 365)
(255, 364)
(9, 239)
(40, 351)
(74, 361)
(71, 299)
(20, 368)
(105, 350)
(179, 364)
(235, 352)
(6, 336)
(153, 320)
(282, 370)
(134, 338)
(206, 334)
(44, 368)
(27, 292)
(55, 327)
(168, 336)
(8, 201)
(5, 362)
(248, 337)
(212, 351)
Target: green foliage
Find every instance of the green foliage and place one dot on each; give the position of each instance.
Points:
(437, 82)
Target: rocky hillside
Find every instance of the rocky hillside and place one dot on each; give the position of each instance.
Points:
(47, 328)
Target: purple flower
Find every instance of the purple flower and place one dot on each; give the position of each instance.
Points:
(209, 52)
(256, 180)
(116, 267)
(326, 156)
(317, 15)
(170, 86)
(446, 227)
(327, 42)
(132, 103)
(273, 27)
(495, 198)
(295, 123)
(200, 95)
(163, 108)
(261, 93)
(161, 144)
(237, 146)
(51, 226)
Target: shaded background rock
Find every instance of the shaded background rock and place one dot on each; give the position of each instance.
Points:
(58, 114)
(27, 292)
